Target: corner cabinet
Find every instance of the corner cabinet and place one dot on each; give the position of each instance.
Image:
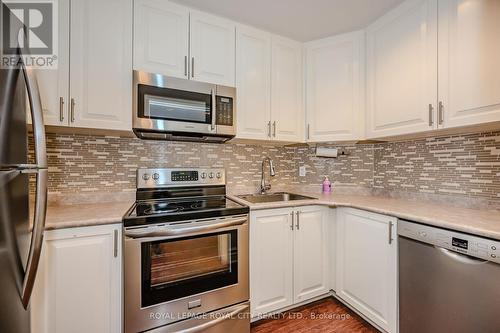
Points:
(335, 88)
(288, 257)
(91, 87)
(269, 86)
(78, 287)
(176, 41)
(366, 265)
(402, 70)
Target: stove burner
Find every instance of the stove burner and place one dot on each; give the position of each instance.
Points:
(198, 205)
(162, 208)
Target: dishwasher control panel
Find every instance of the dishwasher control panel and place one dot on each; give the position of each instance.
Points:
(474, 246)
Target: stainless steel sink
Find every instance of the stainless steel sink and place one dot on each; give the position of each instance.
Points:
(273, 197)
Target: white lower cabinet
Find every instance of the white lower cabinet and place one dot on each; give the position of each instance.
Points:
(366, 265)
(288, 257)
(79, 282)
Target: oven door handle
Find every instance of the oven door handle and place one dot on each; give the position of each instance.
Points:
(169, 231)
(218, 320)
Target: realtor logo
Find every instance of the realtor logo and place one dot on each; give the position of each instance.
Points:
(29, 26)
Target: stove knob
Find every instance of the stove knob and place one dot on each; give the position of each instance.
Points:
(211, 175)
(218, 175)
(145, 176)
(156, 176)
(203, 175)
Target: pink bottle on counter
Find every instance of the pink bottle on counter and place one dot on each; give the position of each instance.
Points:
(327, 185)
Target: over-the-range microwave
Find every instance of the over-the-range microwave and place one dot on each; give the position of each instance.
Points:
(169, 108)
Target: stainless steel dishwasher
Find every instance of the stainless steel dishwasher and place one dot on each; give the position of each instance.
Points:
(448, 281)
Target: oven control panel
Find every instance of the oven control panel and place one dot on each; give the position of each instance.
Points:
(478, 247)
(173, 177)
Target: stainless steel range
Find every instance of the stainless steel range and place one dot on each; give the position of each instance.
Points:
(186, 254)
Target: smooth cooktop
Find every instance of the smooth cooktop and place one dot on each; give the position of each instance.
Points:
(171, 210)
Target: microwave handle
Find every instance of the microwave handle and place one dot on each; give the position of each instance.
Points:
(214, 109)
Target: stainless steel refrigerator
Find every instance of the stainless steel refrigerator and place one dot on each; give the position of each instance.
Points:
(21, 233)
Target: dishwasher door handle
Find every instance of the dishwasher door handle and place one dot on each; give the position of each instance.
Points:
(463, 258)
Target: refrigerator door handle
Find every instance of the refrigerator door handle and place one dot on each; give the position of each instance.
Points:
(36, 116)
(41, 184)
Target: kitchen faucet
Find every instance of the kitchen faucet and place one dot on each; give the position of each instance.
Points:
(263, 186)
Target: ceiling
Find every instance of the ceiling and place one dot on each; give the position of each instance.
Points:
(302, 20)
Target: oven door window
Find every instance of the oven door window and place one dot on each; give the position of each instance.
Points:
(175, 105)
(181, 267)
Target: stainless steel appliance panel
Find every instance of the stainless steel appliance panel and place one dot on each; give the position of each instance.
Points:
(140, 317)
(444, 290)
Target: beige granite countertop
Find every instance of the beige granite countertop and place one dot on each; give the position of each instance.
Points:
(88, 214)
(482, 222)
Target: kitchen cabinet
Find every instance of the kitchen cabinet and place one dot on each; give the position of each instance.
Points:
(402, 70)
(212, 49)
(287, 116)
(469, 49)
(335, 88)
(269, 86)
(175, 41)
(253, 83)
(91, 87)
(288, 257)
(366, 265)
(79, 283)
(161, 38)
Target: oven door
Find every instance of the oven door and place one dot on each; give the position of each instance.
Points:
(168, 104)
(175, 271)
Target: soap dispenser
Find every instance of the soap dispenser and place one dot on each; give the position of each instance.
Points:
(327, 185)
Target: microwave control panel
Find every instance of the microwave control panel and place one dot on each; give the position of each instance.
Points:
(224, 106)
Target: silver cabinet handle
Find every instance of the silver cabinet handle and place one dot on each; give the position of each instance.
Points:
(441, 113)
(269, 128)
(297, 224)
(192, 67)
(61, 109)
(214, 109)
(185, 66)
(274, 128)
(115, 243)
(431, 115)
(390, 232)
(219, 319)
(293, 220)
(308, 131)
(72, 115)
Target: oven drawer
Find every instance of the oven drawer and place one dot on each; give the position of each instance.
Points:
(232, 319)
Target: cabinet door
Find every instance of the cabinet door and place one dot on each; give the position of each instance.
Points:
(78, 286)
(367, 265)
(286, 90)
(212, 49)
(271, 260)
(469, 49)
(53, 84)
(161, 38)
(310, 253)
(334, 88)
(402, 70)
(253, 83)
(101, 64)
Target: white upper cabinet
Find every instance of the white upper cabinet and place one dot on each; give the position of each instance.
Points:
(54, 84)
(469, 50)
(212, 49)
(402, 70)
(367, 265)
(101, 64)
(286, 90)
(334, 88)
(253, 83)
(161, 38)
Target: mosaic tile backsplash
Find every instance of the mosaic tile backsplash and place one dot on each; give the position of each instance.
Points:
(465, 165)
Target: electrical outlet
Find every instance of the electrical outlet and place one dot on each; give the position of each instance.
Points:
(302, 171)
